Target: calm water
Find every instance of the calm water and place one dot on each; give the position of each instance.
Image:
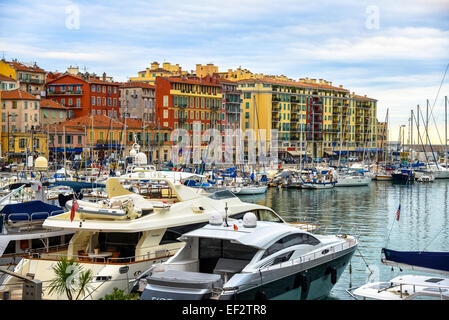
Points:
(370, 211)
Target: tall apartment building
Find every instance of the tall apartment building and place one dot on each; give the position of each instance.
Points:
(231, 102)
(137, 101)
(85, 95)
(310, 116)
(180, 101)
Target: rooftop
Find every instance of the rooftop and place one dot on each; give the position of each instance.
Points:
(50, 104)
(17, 95)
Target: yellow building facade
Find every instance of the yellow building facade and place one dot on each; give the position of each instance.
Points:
(22, 144)
(310, 116)
(7, 69)
(149, 74)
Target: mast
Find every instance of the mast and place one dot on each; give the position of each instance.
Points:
(427, 122)
(445, 131)
(411, 135)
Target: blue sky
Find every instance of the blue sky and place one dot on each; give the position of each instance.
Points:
(398, 58)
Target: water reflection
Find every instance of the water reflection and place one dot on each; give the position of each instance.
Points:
(370, 211)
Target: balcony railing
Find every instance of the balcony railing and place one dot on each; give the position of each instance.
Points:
(65, 92)
(31, 80)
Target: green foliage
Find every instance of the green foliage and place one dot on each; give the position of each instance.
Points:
(119, 294)
(70, 279)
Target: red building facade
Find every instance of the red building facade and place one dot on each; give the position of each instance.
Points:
(85, 96)
(181, 101)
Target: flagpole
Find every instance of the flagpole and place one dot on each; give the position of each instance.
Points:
(397, 218)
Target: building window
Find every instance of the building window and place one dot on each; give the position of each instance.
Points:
(165, 101)
(92, 88)
(98, 88)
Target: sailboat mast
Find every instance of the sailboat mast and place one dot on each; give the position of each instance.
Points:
(445, 131)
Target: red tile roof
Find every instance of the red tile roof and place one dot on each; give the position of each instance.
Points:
(50, 104)
(363, 98)
(17, 95)
(60, 127)
(137, 84)
(189, 80)
(22, 67)
(294, 84)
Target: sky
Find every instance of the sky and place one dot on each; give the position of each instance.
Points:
(394, 51)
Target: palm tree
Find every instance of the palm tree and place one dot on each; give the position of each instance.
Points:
(70, 279)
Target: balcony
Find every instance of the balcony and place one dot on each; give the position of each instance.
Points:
(295, 117)
(182, 106)
(65, 92)
(294, 100)
(31, 80)
(275, 99)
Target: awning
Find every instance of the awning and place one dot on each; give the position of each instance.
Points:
(297, 153)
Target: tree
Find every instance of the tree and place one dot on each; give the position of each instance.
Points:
(70, 279)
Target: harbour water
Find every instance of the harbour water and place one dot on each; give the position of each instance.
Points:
(371, 212)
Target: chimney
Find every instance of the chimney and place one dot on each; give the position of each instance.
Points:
(321, 81)
(104, 76)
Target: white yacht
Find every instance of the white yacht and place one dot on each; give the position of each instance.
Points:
(406, 287)
(117, 250)
(250, 260)
(352, 179)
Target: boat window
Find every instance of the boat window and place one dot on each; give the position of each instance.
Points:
(37, 243)
(211, 250)
(11, 248)
(170, 236)
(267, 215)
(262, 215)
(282, 257)
(124, 243)
(290, 240)
(220, 195)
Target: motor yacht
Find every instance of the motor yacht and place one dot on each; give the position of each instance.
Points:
(250, 260)
(117, 249)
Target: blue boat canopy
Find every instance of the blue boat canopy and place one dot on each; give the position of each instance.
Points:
(26, 209)
(437, 261)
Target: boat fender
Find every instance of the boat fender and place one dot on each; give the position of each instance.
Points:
(333, 273)
(304, 280)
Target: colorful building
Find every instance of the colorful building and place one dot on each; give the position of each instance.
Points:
(7, 83)
(100, 136)
(20, 111)
(310, 116)
(181, 101)
(149, 75)
(23, 144)
(52, 112)
(137, 101)
(85, 96)
(65, 139)
(29, 77)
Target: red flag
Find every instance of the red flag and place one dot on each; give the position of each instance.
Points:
(398, 213)
(74, 208)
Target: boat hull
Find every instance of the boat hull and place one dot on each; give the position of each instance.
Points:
(249, 190)
(312, 283)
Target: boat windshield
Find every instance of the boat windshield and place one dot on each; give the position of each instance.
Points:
(222, 194)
